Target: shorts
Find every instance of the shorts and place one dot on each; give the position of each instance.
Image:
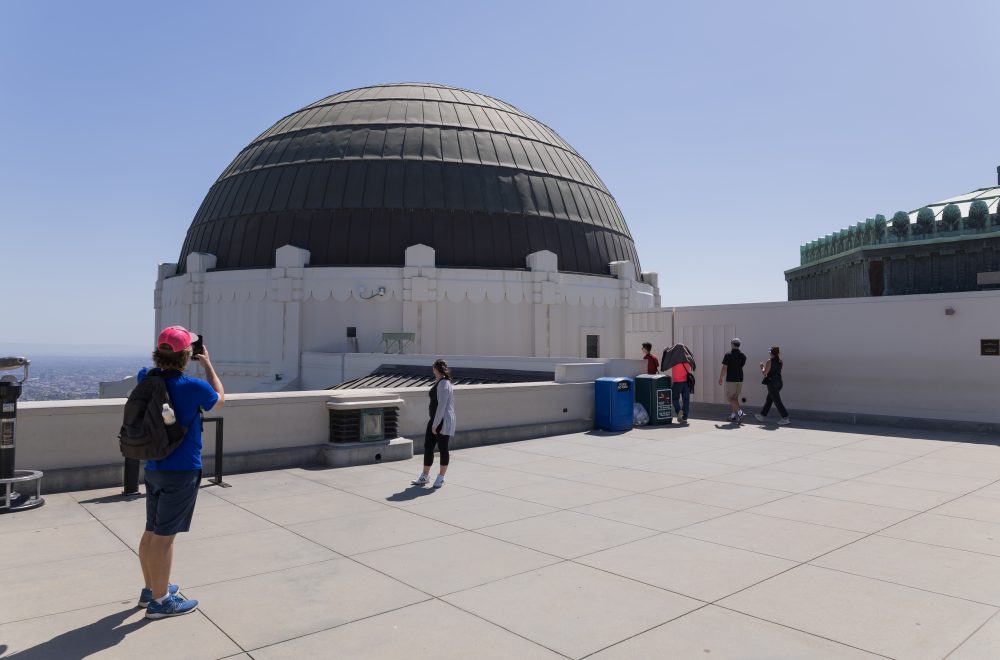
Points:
(170, 499)
(733, 389)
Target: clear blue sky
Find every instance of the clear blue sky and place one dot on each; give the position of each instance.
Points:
(728, 132)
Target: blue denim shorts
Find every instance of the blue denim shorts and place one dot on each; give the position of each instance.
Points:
(170, 499)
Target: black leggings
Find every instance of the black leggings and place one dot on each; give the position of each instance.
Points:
(773, 396)
(430, 439)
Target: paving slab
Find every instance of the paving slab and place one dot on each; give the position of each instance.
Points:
(38, 590)
(984, 643)
(948, 571)
(720, 634)
(948, 531)
(852, 516)
(691, 467)
(899, 497)
(652, 512)
(488, 478)
(788, 539)
(38, 546)
(945, 483)
(353, 477)
(207, 561)
(402, 493)
(432, 630)
(365, 531)
(304, 600)
(115, 632)
(563, 494)
(560, 467)
(58, 510)
(933, 464)
(986, 509)
(497, 456)
(478, 510)
(109, 503)
(206, 523)
(702, 570)
(266, 485)
(876, 616)
(453, 563)
(823, 468)
(313, 506)
(567, 534)
(636, 481)
(775, 479)
(573, 609)
(714, 493)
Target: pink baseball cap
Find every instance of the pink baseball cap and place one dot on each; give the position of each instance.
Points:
(176, 338)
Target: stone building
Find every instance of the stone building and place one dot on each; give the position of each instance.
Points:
(949, 246)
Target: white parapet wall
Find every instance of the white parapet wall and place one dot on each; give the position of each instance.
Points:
(76, 441)
(896, 356)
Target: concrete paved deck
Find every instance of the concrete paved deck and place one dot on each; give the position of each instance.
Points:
(700, 542)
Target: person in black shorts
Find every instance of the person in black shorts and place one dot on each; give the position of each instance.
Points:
(732, 375)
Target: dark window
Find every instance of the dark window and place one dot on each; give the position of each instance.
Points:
(593, 346)
(876, 277)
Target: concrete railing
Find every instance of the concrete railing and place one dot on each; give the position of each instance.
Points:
(75, 442)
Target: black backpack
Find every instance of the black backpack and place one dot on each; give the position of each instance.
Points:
(144, 435)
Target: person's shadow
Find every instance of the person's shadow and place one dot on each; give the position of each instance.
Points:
(82, 642)
(411, 493)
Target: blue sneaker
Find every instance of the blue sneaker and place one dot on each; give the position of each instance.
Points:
(146, 595)
(172, 606)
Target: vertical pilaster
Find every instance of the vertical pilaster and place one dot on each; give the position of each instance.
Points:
(420, 296)
(284, 312)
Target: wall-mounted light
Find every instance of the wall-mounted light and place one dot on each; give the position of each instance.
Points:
(377, 293)
(949, 311)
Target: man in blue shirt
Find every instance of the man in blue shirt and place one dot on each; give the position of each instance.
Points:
(172, 482)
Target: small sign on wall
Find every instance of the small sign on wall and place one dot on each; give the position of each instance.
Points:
(989, 346)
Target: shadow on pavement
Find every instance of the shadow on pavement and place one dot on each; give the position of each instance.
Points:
(82, 642)
(411, 493)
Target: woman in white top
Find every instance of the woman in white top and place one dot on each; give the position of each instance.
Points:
(441, 425)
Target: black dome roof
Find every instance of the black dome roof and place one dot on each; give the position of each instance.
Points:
(359, 176)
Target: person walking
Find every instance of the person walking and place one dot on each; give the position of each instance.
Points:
(680, 362)
(772, 379)
(172, 482)
(732, 374)
(441, 425)
(652, 364)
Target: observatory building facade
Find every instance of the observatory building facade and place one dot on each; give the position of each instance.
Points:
(945, 247)
(412, 217)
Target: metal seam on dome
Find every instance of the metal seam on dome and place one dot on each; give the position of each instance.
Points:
(351, 127)
(263, 137)
(354, 159)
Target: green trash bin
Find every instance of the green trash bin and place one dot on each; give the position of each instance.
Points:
(652, 391)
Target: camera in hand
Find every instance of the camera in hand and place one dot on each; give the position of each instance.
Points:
(198, 347)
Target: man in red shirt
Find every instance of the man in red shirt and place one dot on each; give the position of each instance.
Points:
(652, 364)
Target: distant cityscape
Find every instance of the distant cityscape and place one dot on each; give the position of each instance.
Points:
(62, 377)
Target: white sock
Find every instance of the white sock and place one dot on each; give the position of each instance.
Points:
(165, 596)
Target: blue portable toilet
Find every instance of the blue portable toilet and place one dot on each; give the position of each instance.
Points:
(613, 399)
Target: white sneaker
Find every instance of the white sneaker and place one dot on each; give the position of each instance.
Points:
(758, 417)
(420, 481)
(439, 481)
(784, 421)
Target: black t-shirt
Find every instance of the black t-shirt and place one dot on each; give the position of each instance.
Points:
(734, 361)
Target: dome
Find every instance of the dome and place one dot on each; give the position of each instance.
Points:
(359, 176)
